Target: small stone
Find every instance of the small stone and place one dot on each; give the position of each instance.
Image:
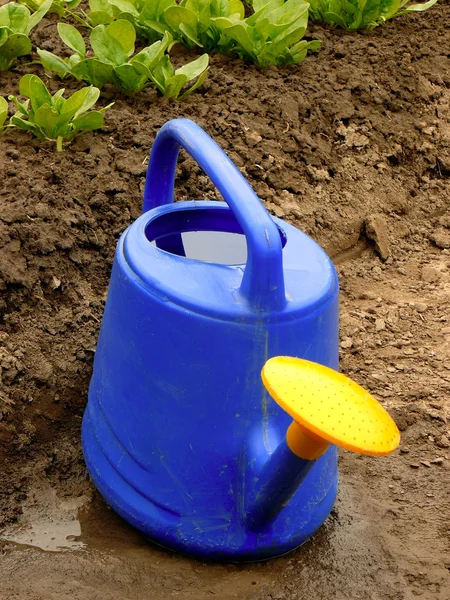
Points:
(13, 153)
(346, 343)
(380, 325)
(376, 230)
(414, 466)
(55, 283)
(252, 138)
(425, 463)
(430, 274)
(441, 237)
(318, 174)
(437, 461)
(443, 442)
(421, 307)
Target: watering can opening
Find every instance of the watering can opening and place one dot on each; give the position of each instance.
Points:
(205, 234)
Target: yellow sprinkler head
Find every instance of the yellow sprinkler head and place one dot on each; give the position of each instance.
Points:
(330, 406)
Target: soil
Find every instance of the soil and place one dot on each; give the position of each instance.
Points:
(353, 147)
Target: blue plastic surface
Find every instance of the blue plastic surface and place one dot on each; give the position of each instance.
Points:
(178, 427)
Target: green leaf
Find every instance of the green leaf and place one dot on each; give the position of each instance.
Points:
(96, 5)
(162, 72)
(418, 7)
(124, 6)
(107, 48)
(58, 101)
(16, 45)
(236, 8)
(80, 102)
(259, 4)
(240, 33)
(35, 89)
(53, 63)
(335, 19)
(99, 17)
(73, 60)
(3, 111)
(124, 32)
(362, 14)
(71, 4)
(14, 16)
(197, 84)
(150, 56)
(131, 78)
(93, 72)
(38, 15)
(25, 125)
(190, 35)
(153, 10)
(89, 122)
(25, 85)
(194, 68)
(3, 35)
(183, 20)
(72, 38)
(48, 121)
(174, 85)
(21, 107)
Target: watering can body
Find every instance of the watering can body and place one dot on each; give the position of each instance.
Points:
(178, 425)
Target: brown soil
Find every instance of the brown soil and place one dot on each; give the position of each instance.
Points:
(353, 147)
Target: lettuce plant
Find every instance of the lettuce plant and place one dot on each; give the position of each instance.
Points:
(147, 16)
(272, 35)
(113, 60)
(362, 14)
(55, 117)
(201, 22)
(171, 82)
(16, 22)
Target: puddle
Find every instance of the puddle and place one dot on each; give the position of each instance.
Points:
(47, 523)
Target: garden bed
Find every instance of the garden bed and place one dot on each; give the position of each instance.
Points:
(353, 147)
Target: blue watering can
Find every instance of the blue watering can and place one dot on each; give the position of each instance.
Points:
(179, 435)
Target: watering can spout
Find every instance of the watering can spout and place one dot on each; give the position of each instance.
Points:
(327, 408)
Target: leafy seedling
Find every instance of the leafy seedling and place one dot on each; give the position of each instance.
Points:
(147, 16)
(201, 22)
(16, 22)
(171, 82)
(114, 60)
(273, 34)
(362, 14)
(55, 117)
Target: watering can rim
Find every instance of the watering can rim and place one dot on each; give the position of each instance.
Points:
(134, 244)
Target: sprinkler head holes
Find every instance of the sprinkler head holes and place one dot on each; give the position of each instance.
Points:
(328, 408)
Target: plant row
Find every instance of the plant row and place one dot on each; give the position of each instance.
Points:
(265, 32)
(271, 35)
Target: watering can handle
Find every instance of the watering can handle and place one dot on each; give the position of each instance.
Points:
(263, 280)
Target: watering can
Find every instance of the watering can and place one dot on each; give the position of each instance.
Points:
(181, 435)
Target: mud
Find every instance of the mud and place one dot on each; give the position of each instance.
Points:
(353, 147)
